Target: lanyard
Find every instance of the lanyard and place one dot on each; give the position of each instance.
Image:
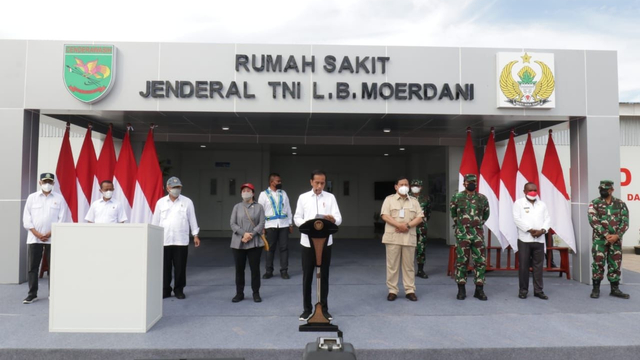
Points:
(277, 208)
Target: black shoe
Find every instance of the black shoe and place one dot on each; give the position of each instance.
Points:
(238, 298)
(284, 275)
(479, 294)
(267, 275)
(256, 297)
(615, 291)
(595, 293)
(522, 294)
(422, 274)
(30, 299)
(180, 295)
(462, 292)
(166, 295)
(306, 315)
(541, 295)
(327, 315)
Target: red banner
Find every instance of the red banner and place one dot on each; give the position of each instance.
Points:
(82, 91)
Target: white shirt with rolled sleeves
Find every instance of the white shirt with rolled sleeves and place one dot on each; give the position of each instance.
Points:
(40, 212)
(310, 204)
(529, 216)
(264, 200)
(176, 217)
(104, 212)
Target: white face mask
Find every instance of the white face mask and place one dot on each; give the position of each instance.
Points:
(403, 190)
(416, 189)
(46, 187)
(107, 194)
(532, 198)
(175, 192)
(246, 195)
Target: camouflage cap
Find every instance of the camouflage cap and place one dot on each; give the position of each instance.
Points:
(606, 184)
(174, 181)
(416, 182)
(470, 178)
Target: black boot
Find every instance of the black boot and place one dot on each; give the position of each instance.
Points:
(595, 293)
(421, 273)
(479, 294)
(462, 292)
(616, 292)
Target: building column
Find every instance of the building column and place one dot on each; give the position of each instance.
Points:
(19, 146)
(454, 158)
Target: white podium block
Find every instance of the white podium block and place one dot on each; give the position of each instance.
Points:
(105, 277)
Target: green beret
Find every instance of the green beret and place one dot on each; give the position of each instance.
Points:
(416, 182)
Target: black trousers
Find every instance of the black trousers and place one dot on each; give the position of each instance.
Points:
(308, 273)
(277, 238)
(175, 257)
(34, 252)
(530, 255)
(240, 257)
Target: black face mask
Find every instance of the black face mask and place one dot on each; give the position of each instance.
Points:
(278, 186)
(604, 193)
(471, 186)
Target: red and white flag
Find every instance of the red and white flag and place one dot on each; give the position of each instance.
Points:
(66, 177)
(107, 159)
(528, 170)
(489, 186)
(88, 188)
(124, 175)
(508, 174)
(469, 164)
(149, 184)
(556, 198)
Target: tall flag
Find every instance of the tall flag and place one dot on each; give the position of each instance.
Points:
(149, 184)
(489, 185)
(528, 170)
(107, 159)
(556, 198)
(508, 191)
(66, 177)
(124, 175)
(86, 175)
(469, 165)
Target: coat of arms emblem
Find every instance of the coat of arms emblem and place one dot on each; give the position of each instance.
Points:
(89, 71)
(528, 82)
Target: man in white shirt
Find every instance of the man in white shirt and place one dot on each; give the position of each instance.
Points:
(278, 224)
(532, 220)
(42, 209)
(175, 213)
(310, 205)
(106, 210)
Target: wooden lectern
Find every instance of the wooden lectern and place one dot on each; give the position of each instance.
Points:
(318, 231)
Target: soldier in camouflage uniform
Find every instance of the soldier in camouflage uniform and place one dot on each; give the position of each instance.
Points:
(609, 218)
(425, 204)
(470, 210)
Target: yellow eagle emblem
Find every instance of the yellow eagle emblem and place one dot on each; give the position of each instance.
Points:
(527, 91)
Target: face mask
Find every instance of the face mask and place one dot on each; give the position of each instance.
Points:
(278, 186)
(107, 194)
(471, 186)
(403, 190)
(415, 189)
(246, 195)
(604, 193)
(531, 195)
(175, 192)
(46, 187)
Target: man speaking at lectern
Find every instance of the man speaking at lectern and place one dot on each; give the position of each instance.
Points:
(313, 204)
